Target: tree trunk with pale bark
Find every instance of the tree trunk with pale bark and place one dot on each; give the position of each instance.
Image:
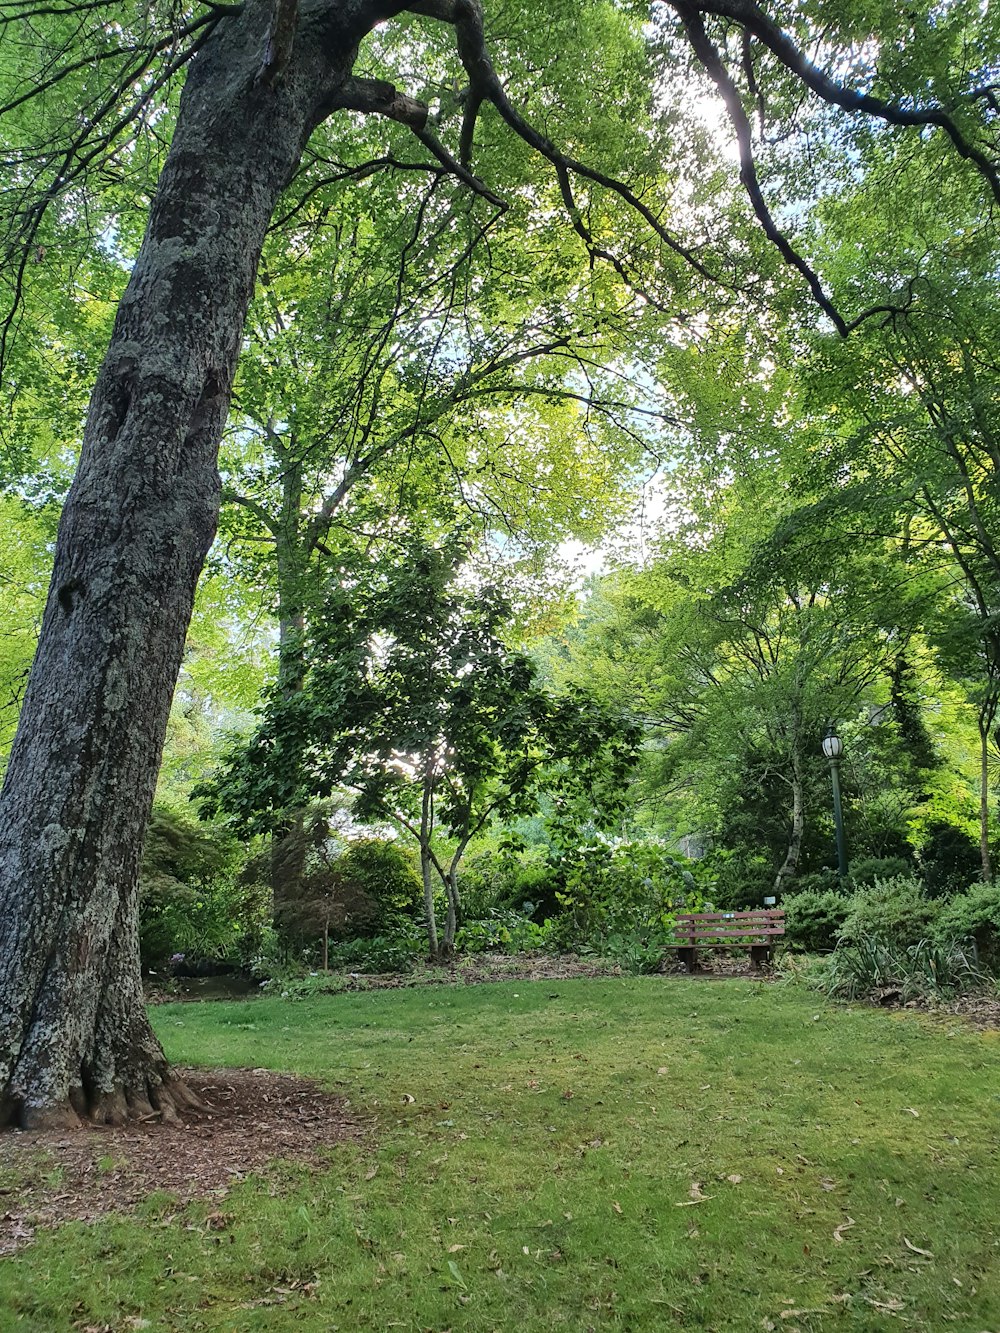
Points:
(790, 866)
(138, 522)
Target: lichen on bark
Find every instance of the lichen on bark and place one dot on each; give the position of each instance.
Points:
(75, 1040)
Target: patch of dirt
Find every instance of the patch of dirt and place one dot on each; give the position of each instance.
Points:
(481, 969)
(980, 1011)
(251, 1118)
(476, 969)
(716, 966)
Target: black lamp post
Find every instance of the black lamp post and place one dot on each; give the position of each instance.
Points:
(833, 748)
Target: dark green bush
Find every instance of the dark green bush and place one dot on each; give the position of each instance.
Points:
(974, 915)
(813, 921)
(741, 881)
(385, 873)
(398, 951)
(950, 860)
(326, 888)
(819, 881)
(894, 910)
(867, 869)
(503, 880)
(190, 899)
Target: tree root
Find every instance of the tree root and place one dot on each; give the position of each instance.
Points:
(167, 1101)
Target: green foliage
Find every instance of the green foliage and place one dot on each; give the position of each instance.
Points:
(620, 900)
(865, 870)
(814, 921)
(327, 887)
(502, 931)
(820, 881)
(949, 860)
(874, 966)
(192, 900)
(974, 915)
(896, 912)
(507, 879)
(382, 869)
(744, 877)
(395, 951)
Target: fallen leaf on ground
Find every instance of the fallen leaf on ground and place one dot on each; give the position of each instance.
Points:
(844, 1226)
(916, 1249)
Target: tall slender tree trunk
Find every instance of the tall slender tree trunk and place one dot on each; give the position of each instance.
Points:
(139, 519)
(985, 727)
(427, 857)
(288, 846)
(790, 865)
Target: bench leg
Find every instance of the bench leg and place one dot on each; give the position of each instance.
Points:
(689, 957)
(759, 954)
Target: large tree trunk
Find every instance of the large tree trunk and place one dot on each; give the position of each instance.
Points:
(138, 522)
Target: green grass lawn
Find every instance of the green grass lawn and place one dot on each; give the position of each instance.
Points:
(636, 1154)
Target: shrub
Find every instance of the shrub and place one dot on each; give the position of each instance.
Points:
(867, 869)
(385, 873)
(820, 881)
(191, 901)
(950, 860)
(627, 892)
(396, 952)
(813, 921)
(326, 888)
(502, 931)
(873, 966)
(741, 881)
(894, 910)
(492, 880)
(974, 915)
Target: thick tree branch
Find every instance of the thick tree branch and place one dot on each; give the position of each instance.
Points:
(466, 17)
(380, 98)
(749, 15)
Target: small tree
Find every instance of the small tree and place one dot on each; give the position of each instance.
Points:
(328, 887)
(412, 700)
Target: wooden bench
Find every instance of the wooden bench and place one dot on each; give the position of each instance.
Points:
(755, 931)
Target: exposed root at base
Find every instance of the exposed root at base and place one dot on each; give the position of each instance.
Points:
(164, 1102)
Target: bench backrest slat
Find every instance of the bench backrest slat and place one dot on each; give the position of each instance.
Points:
(758, 925)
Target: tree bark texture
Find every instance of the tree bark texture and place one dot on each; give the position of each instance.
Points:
(985, 725)
(138, 522)
(790, 865)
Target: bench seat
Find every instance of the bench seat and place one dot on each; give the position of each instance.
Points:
(754, 930)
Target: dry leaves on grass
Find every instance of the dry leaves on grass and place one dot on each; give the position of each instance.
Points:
(251, 1118)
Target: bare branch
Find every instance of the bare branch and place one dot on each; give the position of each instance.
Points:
(752, 18)
(467, 18)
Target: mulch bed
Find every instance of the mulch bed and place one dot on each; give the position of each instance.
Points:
(252, 1117)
